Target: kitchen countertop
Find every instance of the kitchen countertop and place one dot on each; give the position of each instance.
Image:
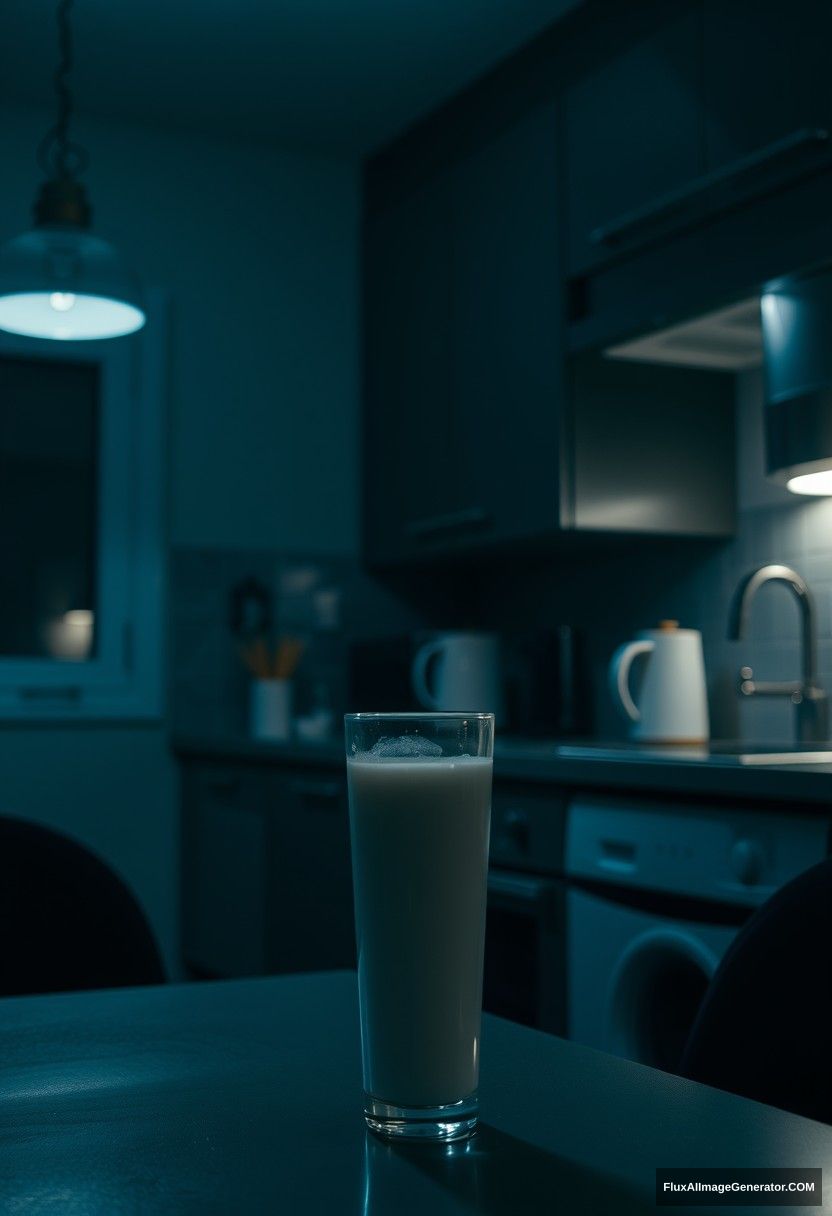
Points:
(244, 1097)
(538, 760)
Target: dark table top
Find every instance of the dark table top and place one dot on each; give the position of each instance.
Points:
(244, 1097)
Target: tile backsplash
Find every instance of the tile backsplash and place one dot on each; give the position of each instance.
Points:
(326, 601)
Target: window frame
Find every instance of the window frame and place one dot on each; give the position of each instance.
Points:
(125, 677)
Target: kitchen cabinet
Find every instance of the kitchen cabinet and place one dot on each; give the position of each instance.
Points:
(479, 434)
(310, 916)
(664, 110)
(653, 448)
(224, 852)
(631, 123)
(462, 351)
(525, 938)
(766, 80)
(739, 197)
(508, 388)
(408, 432)
(266, 881)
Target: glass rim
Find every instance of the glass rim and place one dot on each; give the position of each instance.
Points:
(420, 715)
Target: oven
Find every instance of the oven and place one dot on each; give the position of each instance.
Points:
(525, 939)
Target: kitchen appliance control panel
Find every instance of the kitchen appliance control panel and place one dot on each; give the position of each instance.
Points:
(718, 852)
(527, 825)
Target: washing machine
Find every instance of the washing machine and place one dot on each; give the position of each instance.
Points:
(656, 894)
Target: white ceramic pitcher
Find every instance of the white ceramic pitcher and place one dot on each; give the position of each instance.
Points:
(459, 671)
(673, 701)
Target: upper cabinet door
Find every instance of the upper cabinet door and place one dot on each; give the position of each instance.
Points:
(767, 85)
(463, 362)
(408, 441)
(508, 329)
(632, 126)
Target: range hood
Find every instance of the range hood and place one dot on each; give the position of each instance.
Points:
(796, 318)
(728, 340)
(788, 331)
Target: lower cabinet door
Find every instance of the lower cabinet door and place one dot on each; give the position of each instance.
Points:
(224, 872)
(524, 978)
(310, 914)
(266, 878)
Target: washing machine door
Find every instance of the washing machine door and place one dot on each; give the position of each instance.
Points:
(636, 977)
(654, 995)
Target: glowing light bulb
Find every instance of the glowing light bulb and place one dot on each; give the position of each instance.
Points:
(62, 301)
(811, 483)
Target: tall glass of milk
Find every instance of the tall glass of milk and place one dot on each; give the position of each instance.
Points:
(420, 808)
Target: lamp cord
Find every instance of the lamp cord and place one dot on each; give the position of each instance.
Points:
(58, 156)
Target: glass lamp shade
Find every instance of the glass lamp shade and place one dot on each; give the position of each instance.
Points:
(796, 315)
(57, 281)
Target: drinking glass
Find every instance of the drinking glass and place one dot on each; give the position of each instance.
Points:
(420, 809)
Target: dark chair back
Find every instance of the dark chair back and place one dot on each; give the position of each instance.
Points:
(765, 1026)
(67, 922)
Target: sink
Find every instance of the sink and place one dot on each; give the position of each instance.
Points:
(763, 753)
(720, 752)
(772, 758)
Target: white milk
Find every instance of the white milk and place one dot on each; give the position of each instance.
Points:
(419, 832)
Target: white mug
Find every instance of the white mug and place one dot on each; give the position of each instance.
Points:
(459, 671)
(673, 702)
(271, 709)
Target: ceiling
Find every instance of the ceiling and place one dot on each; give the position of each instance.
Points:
(325, 74)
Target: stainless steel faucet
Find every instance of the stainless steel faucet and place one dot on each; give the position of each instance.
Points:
(809, 699)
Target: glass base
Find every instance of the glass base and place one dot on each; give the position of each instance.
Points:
(453, 1121)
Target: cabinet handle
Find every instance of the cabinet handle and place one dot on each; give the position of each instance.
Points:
(454, 521)
(319, 791)
(518, 890)
(807, 138)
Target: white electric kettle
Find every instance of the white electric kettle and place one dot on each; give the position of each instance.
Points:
(459, 671)
(673, 700)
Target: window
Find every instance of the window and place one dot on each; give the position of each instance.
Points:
(81, 550)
